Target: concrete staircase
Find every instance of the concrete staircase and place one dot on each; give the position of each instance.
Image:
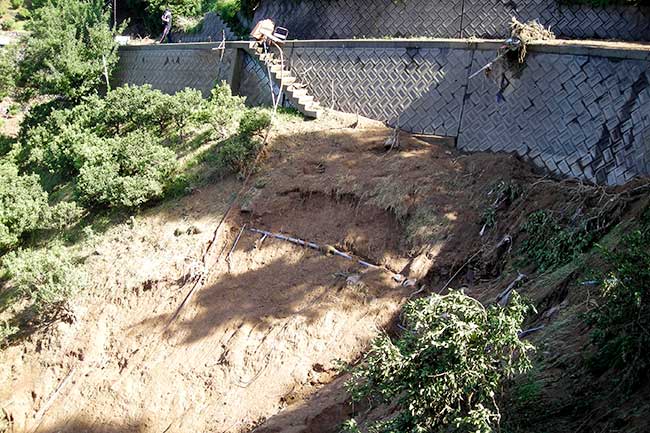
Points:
(295, 91)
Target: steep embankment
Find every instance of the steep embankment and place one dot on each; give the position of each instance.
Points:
(258, 343)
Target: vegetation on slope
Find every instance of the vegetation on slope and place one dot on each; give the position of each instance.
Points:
(84, 150)
(446, 369)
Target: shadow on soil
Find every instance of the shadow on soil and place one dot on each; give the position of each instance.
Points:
(79, 426)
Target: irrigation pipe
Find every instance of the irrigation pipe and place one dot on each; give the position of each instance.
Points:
(328, 249)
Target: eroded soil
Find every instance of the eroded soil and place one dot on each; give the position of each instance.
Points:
(257, 345)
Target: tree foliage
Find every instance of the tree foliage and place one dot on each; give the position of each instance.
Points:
(23, 205)
(124, 171)
(622, 319)
(445, 370)
(47, 277)
(118, 149)
(8, 61)
(70, 47)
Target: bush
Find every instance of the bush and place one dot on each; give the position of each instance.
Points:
(185, 108)
(54, 141)
(23, 205)
(445, 370)
(254, 121)
(96, 144)
(622, 320)
(15, 4)
(125, 171)
(7, 331)
(23, 14)
(63, 215)
(66, 50)
(8, 59)
(8, 23)
(236, 154)
(550, 243)
(48, 278)
(224, 110)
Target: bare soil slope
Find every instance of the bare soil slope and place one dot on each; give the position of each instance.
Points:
(264, 333)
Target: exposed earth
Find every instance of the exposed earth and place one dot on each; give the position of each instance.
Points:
(257, 346)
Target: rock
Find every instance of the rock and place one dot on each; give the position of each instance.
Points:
(353, 279)
(193, 230)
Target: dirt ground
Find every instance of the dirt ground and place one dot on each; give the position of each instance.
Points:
(256, 347)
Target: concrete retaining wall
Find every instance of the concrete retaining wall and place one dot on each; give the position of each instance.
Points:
(347, 19)
(172, 67)
(574, 110)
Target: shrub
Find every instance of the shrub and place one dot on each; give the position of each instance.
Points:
(23, 205)
(7, 331)
(184, 8)
(8, 23)
(14, 109)
(66, 50)
(128, 108)
(8, 58)
(23, 14)
(224, 110)
(48, 278)
(185, 107)
(622, 320)
(63, 215)
(53, 141)
(551, 243)
(6, 144)
(236, 153)
(254, 121)
(444, 371)
(125, 171)
(55, 145)
(15, 4)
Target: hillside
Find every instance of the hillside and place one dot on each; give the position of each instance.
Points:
(177, 256)
(256, 346)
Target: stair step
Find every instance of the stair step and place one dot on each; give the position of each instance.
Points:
(276, 68)
(306, 100)
(311, 113)
(297, 92)
(266, 57)
(283, 74)
(287, 81)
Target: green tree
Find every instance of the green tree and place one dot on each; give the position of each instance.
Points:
(445, 370)
(47, 277)
(70, 48)
(622, 318)
(23, 205)
(7, 70)
(125, 171)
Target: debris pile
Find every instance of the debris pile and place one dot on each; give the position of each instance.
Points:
(528, 32)
(521, 35)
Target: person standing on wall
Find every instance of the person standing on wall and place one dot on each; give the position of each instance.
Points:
(167, 20)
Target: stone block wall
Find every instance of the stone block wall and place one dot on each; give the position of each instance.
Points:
(573, 110)
(172, 67)
(347, 19)
(582, 116)
(421, 89)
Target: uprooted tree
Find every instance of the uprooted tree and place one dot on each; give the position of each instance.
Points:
(444, 372)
